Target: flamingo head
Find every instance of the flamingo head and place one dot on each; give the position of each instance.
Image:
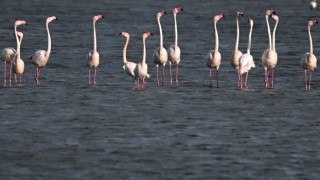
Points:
(270, 12)
(177, 10)
(147, 34)
(275, 17)
(239, 14)
(20, 22)
(161, 13)
(312, 22)
(250, 22)
(218, 17)
(51, 18)
(20, 34)
(125, 34)
(97, 17)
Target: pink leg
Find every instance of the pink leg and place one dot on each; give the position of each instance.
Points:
(238, 74)
(170, 74)
(10, 73)
(37, 76)
(4, 74)
(266, 80)
(240, 81)
(217, 78)
(210, 77)
(310, 80)
(246, 82)
(157, 74)
(162, 74)
(305, 79)
(95, 75)
(177, 71)
(15, 78)
(89, 79)
(272, 77)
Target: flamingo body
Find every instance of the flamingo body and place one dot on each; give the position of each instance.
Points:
(8, 55)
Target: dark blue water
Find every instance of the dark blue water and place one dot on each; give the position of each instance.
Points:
(67, 130)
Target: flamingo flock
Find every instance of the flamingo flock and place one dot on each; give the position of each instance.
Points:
(138, 71)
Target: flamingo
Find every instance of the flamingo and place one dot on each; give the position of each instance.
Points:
(41, 57)
(214, 56)
(313, 4)
(93, 56)
(309, 60)
(174, 50)
(142, 67)
(246, 60)
(128, 66)
(8, 55)
(160, 55)
(270, 57)
(236, 54)
(18, 64)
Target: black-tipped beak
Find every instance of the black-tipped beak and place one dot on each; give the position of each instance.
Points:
(151, 34)
(102, 16)
(26, 24)
(120, 33)
(57, 19)
(164, 13)
(181, 9)
(223, 16)
(274, 12)
(242, 14)
(316, 22)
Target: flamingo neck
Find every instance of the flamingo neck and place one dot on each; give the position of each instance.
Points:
(144, 52)
(175, 29)
(269, 33)
(238, 32)
(94, 38)
(161, 36)
(18, 43)
(274, 36)
(49, 41)
(310, 39)
(125, 51)
(249, 41)
(216, 36)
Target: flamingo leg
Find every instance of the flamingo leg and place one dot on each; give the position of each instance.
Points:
(310, 80)
(217, 77)
(89, 79)
(157, 74)
(272, 72)
(246, 82)
(266, 81)
(95, 75)
(20, 78)
(210, 77)
(238, 81)
(162, 73)
(240, 76)
(15, 78)
(4, 74)
(177, 71)
(170, 74)
(305, 79)
(10, 73)
(37, 76)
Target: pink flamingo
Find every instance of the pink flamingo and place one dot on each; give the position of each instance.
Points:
(236, 54)
(174, 50)
(270, 56)
(309, 60)
(246, 60)
(160, 55)
(142, 67)
(41, 57)
(214, 56)
(93, 56)
(8, 55)
(18, 64)
(128, 66)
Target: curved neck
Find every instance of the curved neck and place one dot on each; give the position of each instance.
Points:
(238, 32)
(249, 41)
(216, 36)
(144, 51)
(310, 39)
(49, 40)
(269, 33)
(125, 50)
(274, 36)
(18, 43)
(175, 30)
(161, 36)
(94, 37)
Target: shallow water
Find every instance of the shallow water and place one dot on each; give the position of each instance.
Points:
(65, 129)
